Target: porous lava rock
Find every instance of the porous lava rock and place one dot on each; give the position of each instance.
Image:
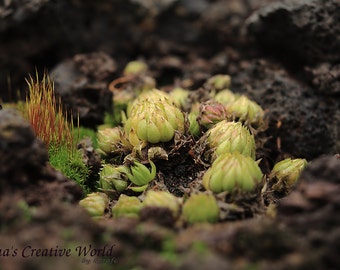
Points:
(24, 169)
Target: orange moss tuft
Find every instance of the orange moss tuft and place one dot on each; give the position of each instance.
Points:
(45, 113)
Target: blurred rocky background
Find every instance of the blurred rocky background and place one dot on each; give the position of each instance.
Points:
(283, 54)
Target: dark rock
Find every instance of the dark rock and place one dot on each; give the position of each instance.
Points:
(40, 34)
(305, 30)
(319, 190)
(311, 210)
(24, 166)
(325, 168)
(82, 84)
(159, 215)
(53, 226)
(16, 11)
(325, 79)
(300, 123)
(22, 154)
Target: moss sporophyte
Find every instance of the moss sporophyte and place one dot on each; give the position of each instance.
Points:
(232, 171)
(55, 128)
(46, 115)
(285, 173)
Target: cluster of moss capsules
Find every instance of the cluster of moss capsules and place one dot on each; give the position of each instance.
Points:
(221, 127)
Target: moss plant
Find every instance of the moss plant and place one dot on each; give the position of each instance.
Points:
(52, 126)
(45, 113)
(71, 165)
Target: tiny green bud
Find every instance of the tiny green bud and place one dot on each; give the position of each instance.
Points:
(225, 97)
(200, 207)
(153, 119)
(162, 199)
(95, 203)
(179, 96)
(232, 171)
(229, 137)
(194, 127)
(135, 67)
(113, 177)
(108, 139)
(218, 82)
(210, 113)
(139, 189)
(247, 111)
(140, 174)
(112, 140)
(127, 206)
(285, 173)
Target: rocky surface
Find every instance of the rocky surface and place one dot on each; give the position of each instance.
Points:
(307, 30)
(81, 82)
(24, 170)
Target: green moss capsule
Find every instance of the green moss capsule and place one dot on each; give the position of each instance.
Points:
(127, 206)
(95, 203)
(232, 171)
(285, 173)
(229, 137)
(162, 199)
(199, 208)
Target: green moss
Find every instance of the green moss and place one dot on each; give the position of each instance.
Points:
(70, 164)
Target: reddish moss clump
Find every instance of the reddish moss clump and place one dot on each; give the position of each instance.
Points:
(45, 113)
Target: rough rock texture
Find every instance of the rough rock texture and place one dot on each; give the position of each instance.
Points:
(82, 82)
(305, 37)
(51, 226)
(325, 79)
(42, 33)
(316, 198)
(22, 154)
(314, 204)
(24, 165)
(306, 29)
(301, 123)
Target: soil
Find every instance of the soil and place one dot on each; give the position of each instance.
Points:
(282, 54)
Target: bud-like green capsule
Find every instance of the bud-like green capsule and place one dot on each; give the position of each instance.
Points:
(232, 171)
(229, 137)
(210, 113)
(95, 203)
(109, 140)
(247, 111)
(152, 96)
(162, 199)
(285, 173)
(194, 127)
(127, 206)
(200, 207)
(179, 96)
(140, 174)
(135, 67)
(113, 177)
(225, 97)
(153, 121)
(218, 82)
